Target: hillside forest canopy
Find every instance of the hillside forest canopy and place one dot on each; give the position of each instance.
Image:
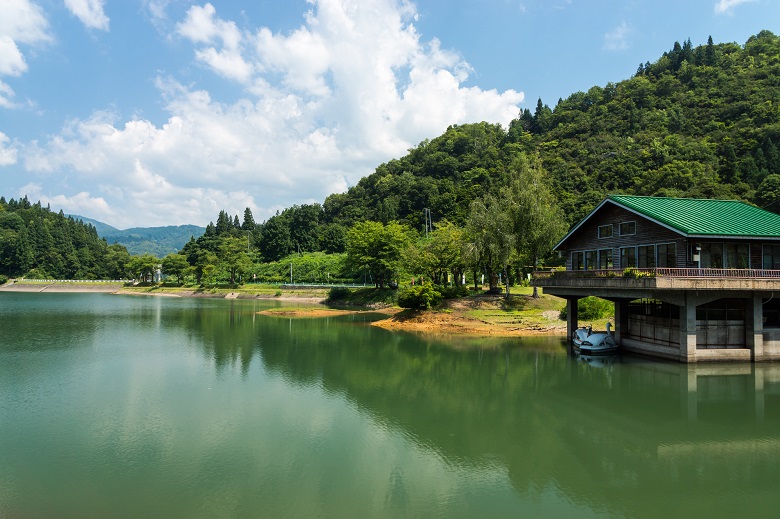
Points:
(479, 200)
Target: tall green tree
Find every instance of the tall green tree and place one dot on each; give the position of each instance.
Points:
(536, 218)
(175, 265)
(234, 258)
(489, 239)
(144, 266)
(378, 248)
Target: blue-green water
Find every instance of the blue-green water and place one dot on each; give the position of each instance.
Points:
(121, 406)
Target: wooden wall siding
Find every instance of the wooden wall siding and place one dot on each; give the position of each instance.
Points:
(647, 233)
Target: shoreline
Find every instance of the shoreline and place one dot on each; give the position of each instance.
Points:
(468, 317)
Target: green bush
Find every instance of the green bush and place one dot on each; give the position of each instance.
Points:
(419, 297)
(339, 294)
(590, 308)
(3, 279)
(453, 292)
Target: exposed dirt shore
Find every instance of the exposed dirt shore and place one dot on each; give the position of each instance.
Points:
(475, 316)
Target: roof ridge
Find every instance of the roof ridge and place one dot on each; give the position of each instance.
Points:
(681, 198)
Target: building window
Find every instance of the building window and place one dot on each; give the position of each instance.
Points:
(627, 257)
(667, 255)
(712, 255)
(605, 259)
(771, 257)
(646, 256)
(738, 255)
(605, 231)
(627, 228)
(577, 260)
(590, 260)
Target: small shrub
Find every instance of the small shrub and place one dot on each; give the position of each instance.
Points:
(453, 292)
(3, 279)
(419, 297)
(339, 294)
(278, 293)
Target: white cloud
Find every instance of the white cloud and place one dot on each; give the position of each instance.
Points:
(11, 59)
(323, 105)
(79, 203)
(21, 22)
(90, 12)
(726, 6)
(7, 154)
(617, 39)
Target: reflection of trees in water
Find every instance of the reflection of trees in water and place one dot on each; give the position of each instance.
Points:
(611, 436)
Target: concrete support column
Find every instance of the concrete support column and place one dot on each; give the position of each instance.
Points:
(688, 330)
(621, 320)
(754, 326)
(572, 318)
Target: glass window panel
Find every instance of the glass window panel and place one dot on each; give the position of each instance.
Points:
(627, 228)
(605, 259)
(646, 256)
(577, 261)
(605, 231)
(712, 255)
(667, 255)
(627, 257)
(590, 260)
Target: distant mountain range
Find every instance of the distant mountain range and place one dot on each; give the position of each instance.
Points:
(159, 241)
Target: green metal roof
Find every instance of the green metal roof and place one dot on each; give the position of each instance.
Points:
(694, 216)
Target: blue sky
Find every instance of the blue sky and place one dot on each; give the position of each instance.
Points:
(162, 112)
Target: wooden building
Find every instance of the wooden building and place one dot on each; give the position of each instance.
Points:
(691, 279)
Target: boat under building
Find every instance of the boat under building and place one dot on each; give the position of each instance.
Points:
(692, 280)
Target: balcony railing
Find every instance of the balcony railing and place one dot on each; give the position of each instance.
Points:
(660, 272)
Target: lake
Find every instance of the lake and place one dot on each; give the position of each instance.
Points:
(127, 406)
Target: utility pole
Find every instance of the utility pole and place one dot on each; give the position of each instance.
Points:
(428, 221)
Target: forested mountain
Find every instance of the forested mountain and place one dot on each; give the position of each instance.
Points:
(38, 242)
(158, 241)
(697, 122)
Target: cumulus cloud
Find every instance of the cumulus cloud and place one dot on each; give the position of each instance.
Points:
(617, 39)
(7, 154)
(354, 86)
(21, 22)
(89, 12)
(726, 6)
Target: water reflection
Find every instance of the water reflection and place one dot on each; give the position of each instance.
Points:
(202, 398)
(612, 433)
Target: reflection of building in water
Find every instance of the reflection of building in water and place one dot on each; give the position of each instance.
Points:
(679, 433)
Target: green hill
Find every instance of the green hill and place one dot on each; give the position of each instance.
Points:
(697, 122)
(158, 241)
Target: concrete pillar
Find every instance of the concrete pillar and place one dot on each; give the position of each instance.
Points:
(754, 326)
(621, 320)
(688, 330)
(572, 318)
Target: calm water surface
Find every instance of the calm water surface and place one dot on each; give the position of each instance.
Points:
(121, 406)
